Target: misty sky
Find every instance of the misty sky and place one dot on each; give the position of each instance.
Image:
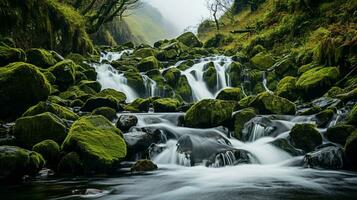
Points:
(182, 13)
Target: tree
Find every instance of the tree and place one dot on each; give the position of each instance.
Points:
(219, 7)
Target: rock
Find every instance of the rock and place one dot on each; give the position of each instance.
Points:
(144, 166)
(64, 72)
(99, 144)
(284, 144)
(263, 61)
(268, 103)
(352, 117)
(189, 39)
(166, 105)
(305, 137)
(90, 85)
(49, 150)
(287, 89)
(143, 105)
(135, 80)
(348, 96)
(324, 117)
(184, 90)
(76, 103)
(16, 162)
(317, 81)
(70, 164)
(21, 85)
(145, 52)
(233, 94)
(209, 113)
(34, 129)
(106, 112)
(240, 118)
(210, 76)
(172, 76)
(339, 133)
(98, 102)
(41, 58)
(351, 149)
(125, 122)
(329, 157)
(138, 143)
(119, 96)
(244, 103)
(54, 108)
(147, 64)
(10, 55)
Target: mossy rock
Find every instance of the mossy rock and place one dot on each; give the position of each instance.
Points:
(34, 129)
(58, 100)
(339, 133)
(91, 74)
(143, 105)
(268, 103)
(16, 162)
(189, 39)
(76, 103)
(240, 118)
(285, 67)
(135, 80)
(70, 164)
(21, 85)
(49, 150)
(73, 93)
(232, 94)
(41, 58)
(324, 117)
(106, 112)
(263, 61)
(352, 117)
(348, 96)
(148, 63)
(54, 108)
(334, 92)
(317, 81)
(9, 55)
(172, 76)
(119, 96)
(210, 76)
(166, 105)
(125, 122)
(97, 141)
(305, 137)
(351, 149)
(65, 73)
(145, 52)
(144, 166)
(235, 73)
(287, 88)
(183, 89)
(246, 101)
(97, 102)
(86, 85)
(209, 113)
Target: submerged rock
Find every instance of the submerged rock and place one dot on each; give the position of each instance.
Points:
(305, 137)
(268, 103)
(144, 166)
(139, 142)
(125, 122)
(330, 157)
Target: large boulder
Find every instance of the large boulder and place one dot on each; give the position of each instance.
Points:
(166, 105)
(49, 150)
(268, 103)
(16, 162)
(64, 72)
(263, 61)
(317, 81)
(97, 141)
(41, 58)
(106, 112)
(9, 55)
(210, 76)
(305, 137)
(147, 64)
(119, 96)
(91, 86)
(209, 113)
(144, 166)
(21, 85)
(33, 129)
(240, 118)
(98, 102)
(145, 52)
(54, 108)
(189, 39)
(287, 88)
(70, 164)
(172, 76)
(232, 94)
(339, 134)
(329, 157)
(125, 122)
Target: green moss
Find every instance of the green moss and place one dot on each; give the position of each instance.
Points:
(244, 103)
(352, 117)
(33, 129)
(77, 103)
(135, 80)
(166, 105)
(54, 108)
(9, 55)
(41, 58)
(16, 162)
(97, 102)
(305, 137)
(324, 117)
(184, 90)
(287, 89)
(334, 91)
(235, 73)
(70, 164)
(106, 112)
(143, 166)
(240, 118)
(49, 150)
(189, 39)
(268, 103)
(209, 113)
(119, 96)
(263, 61)
(21, 86)
(86, 85)
(172, 76)
(145, 52)
(210, 76)
(74, 92)
(64, 72)
(339, 134)
(98, 142)
(148, 63)
(351, 149)
(58, 100)
(233, 94)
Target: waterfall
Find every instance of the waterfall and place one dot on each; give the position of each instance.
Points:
(150, 86)
(264, 82)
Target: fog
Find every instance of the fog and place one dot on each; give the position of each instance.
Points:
(182, 13)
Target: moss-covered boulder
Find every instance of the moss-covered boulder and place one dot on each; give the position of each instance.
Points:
(143, 105)
(86, 85)
(54, 108)
(41, 58)
(147, 64)
(119, 96)
(9, 55)
(189, 39)
(144, 166)
(210, 76)
(317, 81)
(21, 85)
(172, 76)
(70, 164)
(287, 88)
(245, 102)
(34, 129)
(49, 150)
(262, 61)
(65, 73)
(352, 116)
(145, 52)
(324, 117)
(209, 113)
(183, 89)
(232, 94)
(240, 118)
(267, 103)
(351, 149)
(97, 102)
(97, 141)
(166, 105)
(106, 112)
(135, 80)
(16, 162)
(305, 137)
(339, 133)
